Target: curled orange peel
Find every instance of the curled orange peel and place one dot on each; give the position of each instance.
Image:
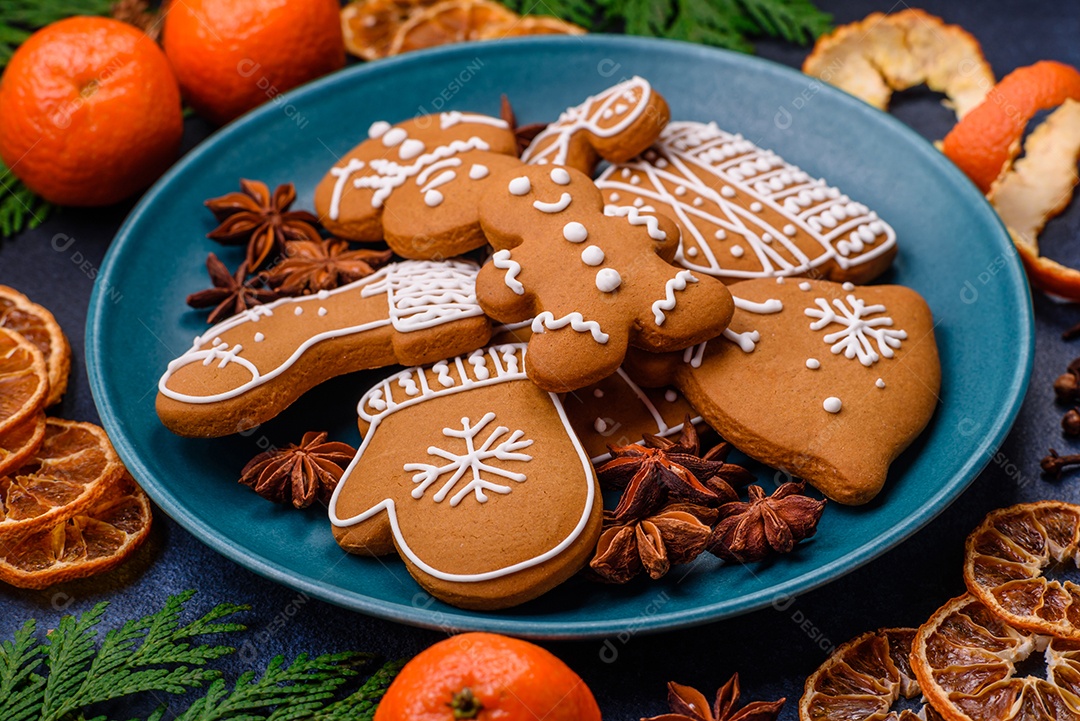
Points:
(882, 53)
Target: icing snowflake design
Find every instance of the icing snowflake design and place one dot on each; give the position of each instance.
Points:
(859, 333)
(498, 446)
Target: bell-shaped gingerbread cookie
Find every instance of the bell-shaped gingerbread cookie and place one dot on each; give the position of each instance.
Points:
(828, 382)
(475, 476)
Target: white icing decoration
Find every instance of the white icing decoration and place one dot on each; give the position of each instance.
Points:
(670, 396)
(478, 171)
(879, 383)
(634, 217)
(442, 372)
(427, 293)
(452, 118)
(557, 207)
(747, 341)
(479, 365)
(608, 280)
(432, 198)
(560, 176)
(727, 191)
(410, 149)
(342, 174)
(600, 425)
(553, 143)
(378, 129)
(546, 320)
(497, 446)
(592, 256)
(394, 136)
(667, 303)
(381, 396)
(575, 232)
(322, 312)
(614, 197)
(259, 337)
(298, 310)
(695, 354)
(858, 329)
(770, 306)
(832, 404)
(692, 252)
(848, 286)
(737, 251)
(501, 259)
(597, 393)
(805, 286)
(520, 186)
(813, 363)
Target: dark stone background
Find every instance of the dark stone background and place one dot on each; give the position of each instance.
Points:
(774, 650)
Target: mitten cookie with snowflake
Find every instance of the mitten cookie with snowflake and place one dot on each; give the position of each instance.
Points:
(828, 382)
(593, 282)
(474, 475)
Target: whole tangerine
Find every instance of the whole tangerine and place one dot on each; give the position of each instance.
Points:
(89, 112)
(232, 55)
(486, 676)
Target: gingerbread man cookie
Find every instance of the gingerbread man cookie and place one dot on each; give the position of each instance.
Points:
(252, 366)
(615, 125)
(475, 476)
(415, 184)
(828, 382)
(746, 213)
(593, 283)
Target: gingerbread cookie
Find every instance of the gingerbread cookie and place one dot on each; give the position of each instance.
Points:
(415, 184)
(252, 366)
(474, 475)
(827, 382)
(593, 283)
(746, 213)
(615, 125)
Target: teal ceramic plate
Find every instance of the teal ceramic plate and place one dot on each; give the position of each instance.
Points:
(953, 250)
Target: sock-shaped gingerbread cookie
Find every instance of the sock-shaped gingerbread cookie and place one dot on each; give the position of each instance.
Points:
(594, 283)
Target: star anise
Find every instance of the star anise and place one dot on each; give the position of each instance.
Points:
(766, 524)
(232, 292)
(675, 535)
(523, 134)
(663, 471)
(261, 220)
(688, 704)
(299, 473)
(314, 265)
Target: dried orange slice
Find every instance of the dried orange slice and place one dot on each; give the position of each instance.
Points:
(24, 380)
(89, 543)
(369, 26)
(18, 444)
(531, 25)
(37, 325)
(1009, 557)
(882, 53)
(864, 680)
(68, 473)
(968, 664)
(451, 21)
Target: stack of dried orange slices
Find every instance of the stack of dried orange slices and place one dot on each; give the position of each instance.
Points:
(68, 507)
(968, 660)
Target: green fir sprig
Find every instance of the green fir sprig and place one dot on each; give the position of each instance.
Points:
(19, 18)
(59, 675)
(20, 208)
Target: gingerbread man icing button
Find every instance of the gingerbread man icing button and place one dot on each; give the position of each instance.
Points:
(593, 283)
(415, 184)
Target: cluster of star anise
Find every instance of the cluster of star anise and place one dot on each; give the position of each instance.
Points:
(689, 704)
(300, 473)
(678, 501)
(286, 254)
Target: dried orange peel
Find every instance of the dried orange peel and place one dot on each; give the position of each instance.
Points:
(24, 380)
(20, 443)
(37, 325)
(369, 26)
(864, 679)
(883, 53)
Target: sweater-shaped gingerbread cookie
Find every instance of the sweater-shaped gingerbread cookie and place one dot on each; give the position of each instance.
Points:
(594, 283)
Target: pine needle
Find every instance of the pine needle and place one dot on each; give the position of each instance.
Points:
(19, 18)
(20, 208)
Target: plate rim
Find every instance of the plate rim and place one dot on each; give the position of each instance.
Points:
(992, 437)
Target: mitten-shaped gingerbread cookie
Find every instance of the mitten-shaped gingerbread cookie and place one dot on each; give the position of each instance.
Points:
(827, 382)
(249, 368)
(615, 125)
(416, 183)
(475, 476)
(593, 283)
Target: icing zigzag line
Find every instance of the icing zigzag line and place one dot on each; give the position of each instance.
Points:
(547, 321)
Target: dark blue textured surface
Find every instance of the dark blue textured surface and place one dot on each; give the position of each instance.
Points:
(774, 649)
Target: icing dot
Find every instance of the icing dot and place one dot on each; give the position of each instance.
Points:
(848, 286)
(626, 172)
(608, 279)
(698, 202)
(638, 202)
(574, 231)
(635, 180)
(756, 207)
(478, 171)
(520, 186)
(607, 114)
(727, 191)
(259, 337)
(323, 294)
(805, 286)
(766, 238)
(393, 136)
(614, 197)
(737, 251)
(670, 396)
(789, 230)
(378, 129)
(410, 149)
(599, 425)
(322, 311)
(661, 163)
(813, 363)
(560, 176)
(879, 383)
(692, 252)
(592, 256)
(597, 393)
(433, 198)
(681, 190)
(298, 310)
(720, 234)
(832, 404)
(780, 280)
